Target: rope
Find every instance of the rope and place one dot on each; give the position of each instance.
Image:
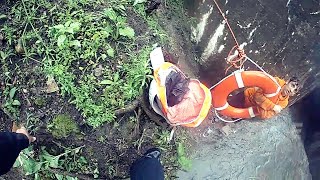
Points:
(226, 20)
(217, 114)
(237, 61)
(236, 58)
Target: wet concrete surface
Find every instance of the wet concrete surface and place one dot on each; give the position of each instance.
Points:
(249, 150)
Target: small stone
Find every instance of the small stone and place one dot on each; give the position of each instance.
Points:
(51, 85)
(98, 71)
(19, 48)
(25, 91)
(226, 130)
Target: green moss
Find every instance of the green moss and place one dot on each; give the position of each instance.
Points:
(63, 126)
(40, 101)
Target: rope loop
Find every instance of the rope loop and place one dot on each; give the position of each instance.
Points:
(236, 58)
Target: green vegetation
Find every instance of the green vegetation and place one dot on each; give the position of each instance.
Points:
(11, 104)
(72, 44)
(184, 161)
(62, 126)
(48, 166)
(97, 52)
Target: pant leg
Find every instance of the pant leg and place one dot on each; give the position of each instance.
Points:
(237, 100)
(147, 168)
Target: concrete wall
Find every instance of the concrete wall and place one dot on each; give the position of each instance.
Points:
(283, 36)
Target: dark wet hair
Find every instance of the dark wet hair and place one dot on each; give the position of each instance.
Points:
(296, 81)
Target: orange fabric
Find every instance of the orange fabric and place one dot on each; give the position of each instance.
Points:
(255, 97)
(195, 107)
(189, 107)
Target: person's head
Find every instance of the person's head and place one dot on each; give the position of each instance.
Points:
(291, 87)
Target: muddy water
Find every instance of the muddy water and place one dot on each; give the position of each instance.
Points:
(280, 35)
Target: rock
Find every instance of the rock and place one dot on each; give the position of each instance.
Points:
(226, 130)
(98, 71)
(51, 85)
(24, 90)
(19, 48)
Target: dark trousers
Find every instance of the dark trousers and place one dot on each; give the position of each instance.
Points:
(147, 168)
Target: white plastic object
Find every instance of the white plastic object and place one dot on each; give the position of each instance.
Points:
(153, 91)
(157, 58)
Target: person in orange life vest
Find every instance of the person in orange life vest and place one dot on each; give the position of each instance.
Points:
(265, 107)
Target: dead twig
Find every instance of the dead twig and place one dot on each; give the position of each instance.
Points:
(66, 173)
(137, 124)
(143, 104)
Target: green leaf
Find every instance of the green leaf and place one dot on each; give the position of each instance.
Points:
(96, 173)
(139, 1)
(111, 14)
(59, 26)
(116, 77)
(106, 82)
(3, 56)
(16, 103)
(74, 27)
(17, 163)
(30, 166)
(103, 56)
(75, 43)
(61, 40)
(184, 162)
(67, 24)
(127, 31)
(110, 52)
(71, 178)
(53, 160)
(2, 16)
(59, 176)
(12, 92)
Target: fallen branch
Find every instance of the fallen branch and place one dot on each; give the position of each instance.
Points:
(153, 116)
(66, 173)
(129, 108)
(142, 102)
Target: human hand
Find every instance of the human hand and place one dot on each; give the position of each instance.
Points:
(277, 108)
(23, 130)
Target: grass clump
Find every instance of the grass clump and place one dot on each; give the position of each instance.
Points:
(62, 126)
(183, 160)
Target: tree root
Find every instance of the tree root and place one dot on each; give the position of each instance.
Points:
(141, 101)
(129, 108)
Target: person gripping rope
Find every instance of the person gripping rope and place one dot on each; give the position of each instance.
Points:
(264, 106)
